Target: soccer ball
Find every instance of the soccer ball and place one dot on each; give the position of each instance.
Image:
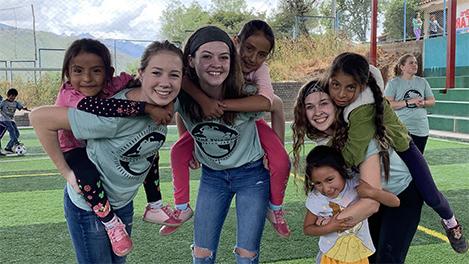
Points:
(20, 149)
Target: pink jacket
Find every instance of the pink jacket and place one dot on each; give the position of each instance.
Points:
(69, 97)
(261, 78)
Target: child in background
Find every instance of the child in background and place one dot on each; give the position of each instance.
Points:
(330, 189)
(8, 108)
(355, 91)
(87, 72)
(2, 132)
(417, 25)
(254, 43)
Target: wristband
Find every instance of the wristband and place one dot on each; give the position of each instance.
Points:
(406, 103)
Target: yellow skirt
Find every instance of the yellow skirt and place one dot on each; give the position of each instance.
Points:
(326, 260)
(348, 249)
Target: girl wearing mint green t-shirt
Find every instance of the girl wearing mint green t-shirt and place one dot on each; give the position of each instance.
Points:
(392, 228)
(409, 95)
(121, 149)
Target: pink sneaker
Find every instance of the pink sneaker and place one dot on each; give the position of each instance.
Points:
(279, 222)
(120, 240)
(162, 216)
(181, 215)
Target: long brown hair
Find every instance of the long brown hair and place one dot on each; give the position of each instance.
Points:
(232, 87)
(301, 126)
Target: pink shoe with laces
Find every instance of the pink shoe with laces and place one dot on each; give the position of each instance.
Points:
(120, 239)
(277, 218)
(162, 216)
(181, 215)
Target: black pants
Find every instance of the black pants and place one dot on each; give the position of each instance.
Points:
(392, 228)
(89, 181)
(420, 142)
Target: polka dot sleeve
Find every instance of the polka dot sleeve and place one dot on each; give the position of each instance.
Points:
(111, 107)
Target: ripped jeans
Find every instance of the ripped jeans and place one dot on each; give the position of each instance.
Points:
(250, 184)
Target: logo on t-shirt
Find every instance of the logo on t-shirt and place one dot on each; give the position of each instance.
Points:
(411, 94)
(217, 141)
(137, 157)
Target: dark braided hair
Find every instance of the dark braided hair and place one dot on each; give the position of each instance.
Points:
(358, 67)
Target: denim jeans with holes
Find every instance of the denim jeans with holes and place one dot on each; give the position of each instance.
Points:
(250, 186)
(89, 238)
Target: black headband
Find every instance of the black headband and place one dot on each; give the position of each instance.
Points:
(313, 89)
(209, 34)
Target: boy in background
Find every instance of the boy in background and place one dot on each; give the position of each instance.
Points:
(8, 108)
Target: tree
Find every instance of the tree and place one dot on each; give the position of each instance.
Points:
(231, 15)
(354, 18)
(179, 21)
(394, 18)
(291, 13)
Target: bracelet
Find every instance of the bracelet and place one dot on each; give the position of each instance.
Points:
(406, 103)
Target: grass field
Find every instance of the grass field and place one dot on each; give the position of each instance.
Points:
(33, 229)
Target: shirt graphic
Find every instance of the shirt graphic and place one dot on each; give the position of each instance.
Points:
(215, 140)
(410, 94)
(142, 147)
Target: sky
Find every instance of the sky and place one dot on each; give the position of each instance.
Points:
(118, 19)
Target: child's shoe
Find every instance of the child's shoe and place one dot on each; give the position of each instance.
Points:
(120, 240)
(277, 218)
(181, 215)
(9, 150)
(162, 216)
(456, 237)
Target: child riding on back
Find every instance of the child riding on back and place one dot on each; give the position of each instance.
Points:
(354, 90)
(88, 84)
(254, 43)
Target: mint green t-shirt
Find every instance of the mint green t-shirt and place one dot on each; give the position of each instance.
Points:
(221, 146)
(399, 175)
(413, 117)
(121, 148)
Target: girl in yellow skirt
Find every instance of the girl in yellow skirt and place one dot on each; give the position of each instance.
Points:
(330, 188)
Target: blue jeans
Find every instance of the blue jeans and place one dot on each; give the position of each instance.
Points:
(13, 131)
(88, 235)
(250, 184)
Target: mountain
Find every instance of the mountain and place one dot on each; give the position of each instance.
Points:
(18, 44)
(5, 27)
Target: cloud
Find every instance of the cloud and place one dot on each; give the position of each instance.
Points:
(124, 19)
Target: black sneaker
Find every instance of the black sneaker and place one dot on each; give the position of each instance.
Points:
(8, 150)
(456, 237)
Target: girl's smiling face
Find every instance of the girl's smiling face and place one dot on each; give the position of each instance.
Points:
(327, 181)
(344, 89)
(87, 74)
(320, 111)
(254, 51)
(212, 64)
(161, 78)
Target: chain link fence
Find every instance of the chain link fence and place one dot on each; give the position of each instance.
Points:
(35, 36)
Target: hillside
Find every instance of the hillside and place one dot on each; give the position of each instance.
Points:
(18, 44)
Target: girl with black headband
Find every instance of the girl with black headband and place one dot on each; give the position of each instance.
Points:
(228, 148)
(254, 42)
